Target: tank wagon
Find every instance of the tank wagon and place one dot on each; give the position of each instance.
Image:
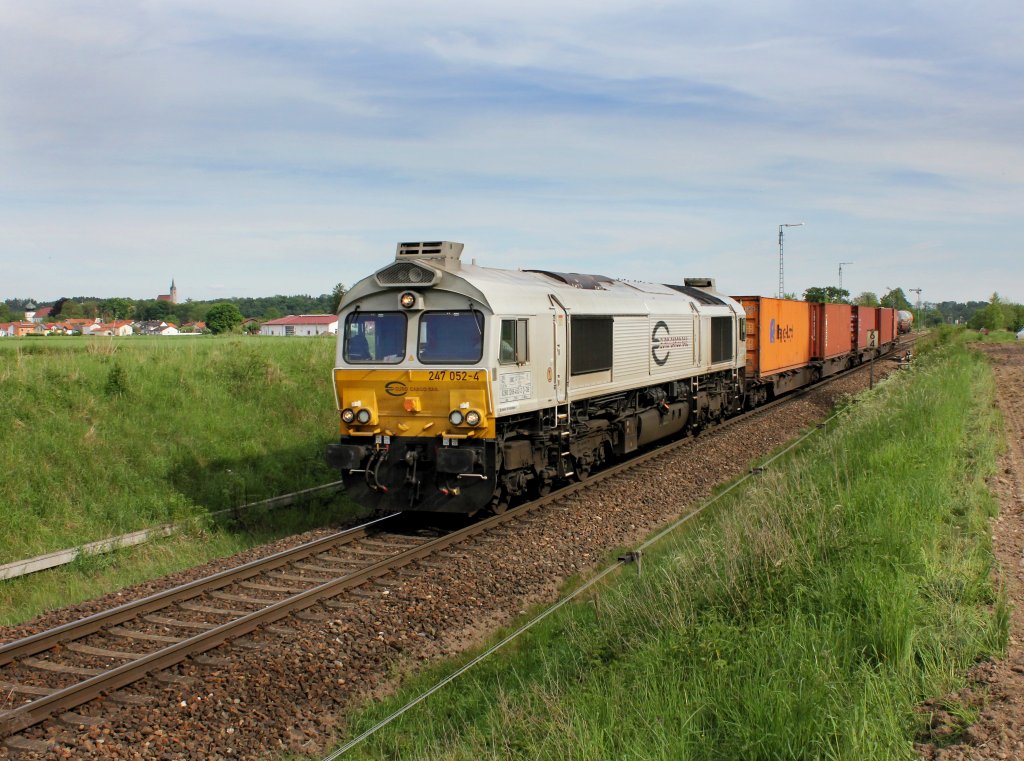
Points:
(905, 321)
(461, 388)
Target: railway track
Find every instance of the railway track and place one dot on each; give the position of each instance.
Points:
(49, 674)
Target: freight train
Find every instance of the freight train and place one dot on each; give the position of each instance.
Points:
(463, 388)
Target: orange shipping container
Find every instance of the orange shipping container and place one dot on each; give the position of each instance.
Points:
(778, 334)
(886, 324)
(831, 330)
(867, 320)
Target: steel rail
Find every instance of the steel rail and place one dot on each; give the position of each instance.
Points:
(45, 707)
(45, 640)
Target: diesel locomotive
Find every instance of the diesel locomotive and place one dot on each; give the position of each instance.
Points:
(461, 388)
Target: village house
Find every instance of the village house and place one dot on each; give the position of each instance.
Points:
(42, 314)
(24, 328)
(301, 325)
(155, 328)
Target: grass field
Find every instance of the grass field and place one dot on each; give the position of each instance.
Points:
(104, 436)
(804, 617)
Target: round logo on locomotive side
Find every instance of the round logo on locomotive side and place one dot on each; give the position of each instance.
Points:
(396, 388)
(659, 328)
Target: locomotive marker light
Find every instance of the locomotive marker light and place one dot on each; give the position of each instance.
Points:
(782, 289)
(347, 415)
(408, 300)
(455, 418)
(472, 418)
(363, 416)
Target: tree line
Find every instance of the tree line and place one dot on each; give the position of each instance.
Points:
(994, 314)
(140, 310)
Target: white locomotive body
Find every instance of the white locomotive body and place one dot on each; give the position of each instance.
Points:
(462, 387)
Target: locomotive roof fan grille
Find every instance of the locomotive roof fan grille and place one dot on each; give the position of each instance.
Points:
(417, 264)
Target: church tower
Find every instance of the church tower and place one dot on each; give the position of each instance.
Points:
(174, 292)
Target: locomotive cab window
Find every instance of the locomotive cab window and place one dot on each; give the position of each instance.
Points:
(377, 337)
(451, 337)
(721, 339)
(515, 344)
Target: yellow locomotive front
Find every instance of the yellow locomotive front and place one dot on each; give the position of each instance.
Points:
(417, 419)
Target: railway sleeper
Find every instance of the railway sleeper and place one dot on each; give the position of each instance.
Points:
(256, 586)
(163, 620)
(296, 577)
(335, 571)
(196, 607)
(168, 677)
(120, 631)
(310, 615)
(262, 602)
(212, 661)
(102, 652)
(131, 699)
(18, 745)
(58, 667)
(80, 721)
(336, 604)
(25, 689)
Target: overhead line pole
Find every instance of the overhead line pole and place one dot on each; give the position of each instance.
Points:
(841, 273)
(782, 284)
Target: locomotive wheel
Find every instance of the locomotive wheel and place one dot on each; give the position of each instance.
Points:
(540, 486)
(500, 502)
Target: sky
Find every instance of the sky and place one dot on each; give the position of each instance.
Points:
(251, 148)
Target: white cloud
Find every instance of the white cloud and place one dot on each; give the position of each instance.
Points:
(225, 141)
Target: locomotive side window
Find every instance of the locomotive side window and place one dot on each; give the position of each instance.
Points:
(375, 337)
(591, 344)
(721, 339)
(515, 345)
(743, 328)
(451, 337)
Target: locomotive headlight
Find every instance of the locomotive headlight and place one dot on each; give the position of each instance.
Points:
(347, 416)
(407, 300)
(455, 418)
(363, 416)
(472, 418)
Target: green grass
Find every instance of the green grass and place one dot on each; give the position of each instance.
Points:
(804, 617)
(101, 436)
(995, 336)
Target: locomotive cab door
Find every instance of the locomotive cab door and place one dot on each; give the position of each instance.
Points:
(560, 325)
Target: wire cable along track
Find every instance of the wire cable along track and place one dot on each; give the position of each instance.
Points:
(157, 632)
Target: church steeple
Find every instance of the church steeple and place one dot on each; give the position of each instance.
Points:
(174, 292)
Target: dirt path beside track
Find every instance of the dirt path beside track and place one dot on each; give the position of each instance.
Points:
(997, 688)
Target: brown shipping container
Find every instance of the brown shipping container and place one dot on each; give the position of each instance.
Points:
(886, 324)
(867, 320)
(778, 334)
(831, 330)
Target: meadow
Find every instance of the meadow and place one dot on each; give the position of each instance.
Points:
(807, 615)
(102, 436)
